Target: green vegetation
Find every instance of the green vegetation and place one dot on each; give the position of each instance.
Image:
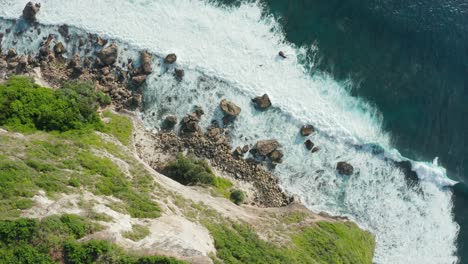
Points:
(119, 126)
(54, 238)
(222, 187)
(325, 243)
(137, 233)
(237, 196)
(26, 107)
(190, 171)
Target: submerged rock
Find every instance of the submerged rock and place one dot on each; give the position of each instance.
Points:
(30, 11)
(307, 130)
(309, 144)
(344, 168)
(146, 61)
(262, 102)
(170, 58)
(282, 55)
(229, 108)
(108, 55)
(179, 73)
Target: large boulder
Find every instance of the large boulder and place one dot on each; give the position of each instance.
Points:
(262, 102)
(108, 55)
(276, 156)
(307, 130)
(146, 61)
(59, 49)
(170, 58)
(309, 144)
(344, 168)
(189, 124)
(265, 147)
(139, 79)
(30, 11)
(229, 108)
(169, 122)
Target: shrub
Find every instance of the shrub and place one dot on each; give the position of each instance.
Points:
(237, 196)
(190, 171)
(26, 106)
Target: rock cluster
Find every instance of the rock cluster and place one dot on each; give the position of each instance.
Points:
(268, 150)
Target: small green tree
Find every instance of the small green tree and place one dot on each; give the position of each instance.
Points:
(237, 196)
(190, 171)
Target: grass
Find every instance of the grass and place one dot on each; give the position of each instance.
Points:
(119, 126)
(55, 239)
(324, 243)
(137, 233)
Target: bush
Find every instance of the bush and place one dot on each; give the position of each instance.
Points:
(237, 196)
(26, 106)
(190, 171)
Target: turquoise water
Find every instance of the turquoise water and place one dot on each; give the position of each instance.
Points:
(410, 59)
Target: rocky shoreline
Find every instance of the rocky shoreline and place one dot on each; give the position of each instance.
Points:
(124, 82)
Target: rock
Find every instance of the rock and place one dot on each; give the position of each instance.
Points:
(199, 111)
(179, 73)
(11, 53)
(63, 31)
(169, 122)
(245, 148)
(146, 61)
(229, 108)
(315, 149)
(189, 124)
(108, 55)
(307, 130)
(22, 64)
(344, 168)
(59, 49)
(276, 156)
(238, 152)
(101, 42)
(139, 80)
(282, 55)
(262, 102)
(30, 11)
(170, 58)
(265, 147)
(309, 144)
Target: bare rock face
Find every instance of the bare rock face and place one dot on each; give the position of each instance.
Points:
(229, 108)
(170, 58)
(108, 55)
(307, 130)
(30, 11)
(344, 168)
(146, 60)
(265, 147)
(262, 102)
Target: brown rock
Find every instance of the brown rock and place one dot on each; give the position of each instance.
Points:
(59, 49)
(315, 149)
(229, 108)
(344, 168)
(307, 130)
(265, 147)
(262, 102)
(170, 122)
(179, 73)
(139, 80)
(108, 55)
(11, 53)
(22, 64)
(170, 58)
(276, 156)
(309, 144)
(30, 11)
(245, 148)
(146, 61)
(189, 124)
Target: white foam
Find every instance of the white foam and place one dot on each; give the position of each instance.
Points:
(240, 47)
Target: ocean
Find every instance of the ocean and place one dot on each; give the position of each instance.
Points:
(382, 82)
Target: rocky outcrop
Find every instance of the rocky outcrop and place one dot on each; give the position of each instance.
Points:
(307, 130)
(229, 108)
(146, 61)
(108, 55)
(170, 58)
(189, 124)
(169, 122)
(344, 168)
(265, 147)
(30, 11)
(262, 102)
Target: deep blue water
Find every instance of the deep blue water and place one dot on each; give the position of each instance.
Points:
(410, 59)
